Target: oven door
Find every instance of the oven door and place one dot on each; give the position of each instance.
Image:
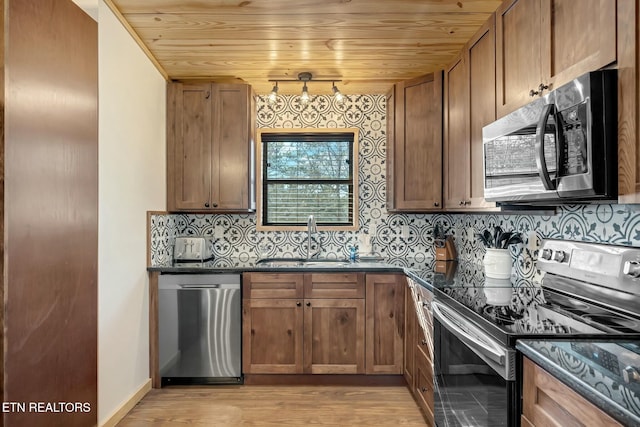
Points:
(474, 375)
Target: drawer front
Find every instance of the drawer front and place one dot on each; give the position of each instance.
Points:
(272, 285)
(334, 285)
(424, 385)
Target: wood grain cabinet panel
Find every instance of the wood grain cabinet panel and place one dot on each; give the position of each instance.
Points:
(470, 104)
(456, 134)
(334, 336)
(311, 323)
(411, 328)
(272, 285)
(548, 43)
(272, 336)
(548, 402)
(385, 307)
(417, 145)
(423, 387)
(334, 285)
(210, 134)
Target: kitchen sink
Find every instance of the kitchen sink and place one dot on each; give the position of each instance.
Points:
(303, 262)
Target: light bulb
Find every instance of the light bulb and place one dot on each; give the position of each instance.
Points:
(272, 98)
(339, 97)
(304, 97)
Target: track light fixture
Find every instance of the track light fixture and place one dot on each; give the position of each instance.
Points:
(305, 98)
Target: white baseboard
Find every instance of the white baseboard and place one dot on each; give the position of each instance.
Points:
(128, 405)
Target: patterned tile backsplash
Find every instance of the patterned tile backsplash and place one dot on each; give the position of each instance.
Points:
(236, 235)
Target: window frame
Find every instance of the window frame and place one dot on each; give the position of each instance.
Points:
(260, 170)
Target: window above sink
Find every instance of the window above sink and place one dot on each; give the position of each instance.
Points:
(304, 172)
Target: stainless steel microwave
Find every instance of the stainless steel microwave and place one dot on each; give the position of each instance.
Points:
(561, 148)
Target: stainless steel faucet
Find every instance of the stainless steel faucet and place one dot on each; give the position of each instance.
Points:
(311, 228)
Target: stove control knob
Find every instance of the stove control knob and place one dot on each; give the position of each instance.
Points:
(631, 375)
(631, 268)
(559, 256)
(546, 254)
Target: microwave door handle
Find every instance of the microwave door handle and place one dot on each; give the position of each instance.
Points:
(541, 163)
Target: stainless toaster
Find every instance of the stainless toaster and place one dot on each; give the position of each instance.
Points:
(193, 248)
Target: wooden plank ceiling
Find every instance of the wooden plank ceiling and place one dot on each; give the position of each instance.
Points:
(368, 44)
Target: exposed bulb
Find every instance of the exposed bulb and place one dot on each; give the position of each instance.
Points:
(272, 98)
(338, 96)
(304, 97)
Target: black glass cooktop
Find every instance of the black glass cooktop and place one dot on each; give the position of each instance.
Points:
(517, 308)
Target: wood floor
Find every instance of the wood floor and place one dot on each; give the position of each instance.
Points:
(299, 406)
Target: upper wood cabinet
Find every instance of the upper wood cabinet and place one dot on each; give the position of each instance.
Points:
(210, 134)
(542, 44)
(470, 104)
(414, 150)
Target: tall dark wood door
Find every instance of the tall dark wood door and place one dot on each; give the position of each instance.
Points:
(50, 211)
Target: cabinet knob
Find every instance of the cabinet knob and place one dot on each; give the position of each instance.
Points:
(436, 204)
(215, 205)
(462, 203)
(533, 93)
(424, 389)
(424, 342)
(308, 304)
(298, 303)
(206, 205)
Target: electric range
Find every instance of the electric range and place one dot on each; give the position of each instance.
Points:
(587, 292)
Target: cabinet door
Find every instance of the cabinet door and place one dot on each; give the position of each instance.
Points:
(410, 329)
(548, 402)
(384, 324)
(577, 37)
(481, 65)
(334, 336)
(232, 145)
(418, 144)
(456, 135)
(272, 336)
(391, 141)
(189, 125)
(424, 385)
(518, 64)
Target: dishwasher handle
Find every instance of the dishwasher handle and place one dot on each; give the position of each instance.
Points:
(195, 281)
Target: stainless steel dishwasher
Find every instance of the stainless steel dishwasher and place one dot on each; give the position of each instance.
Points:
(199, 329)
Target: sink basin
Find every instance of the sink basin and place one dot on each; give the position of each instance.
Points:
(281, 262)
(326, 263)
(303, 262)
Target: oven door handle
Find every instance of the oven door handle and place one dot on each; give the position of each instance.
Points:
(541, 162)
(481, 342)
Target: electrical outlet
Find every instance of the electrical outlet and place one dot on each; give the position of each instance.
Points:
(373, 228)
(405, 231)
(533, 242)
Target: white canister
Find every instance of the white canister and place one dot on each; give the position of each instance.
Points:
(498, 263)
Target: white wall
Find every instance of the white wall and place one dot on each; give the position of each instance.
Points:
(132, 181)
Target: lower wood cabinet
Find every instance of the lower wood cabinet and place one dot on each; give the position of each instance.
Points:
(322, 323)
(546, 401)
(418, 370)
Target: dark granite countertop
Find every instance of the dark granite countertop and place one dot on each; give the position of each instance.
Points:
(589, 369)
(241, 265)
